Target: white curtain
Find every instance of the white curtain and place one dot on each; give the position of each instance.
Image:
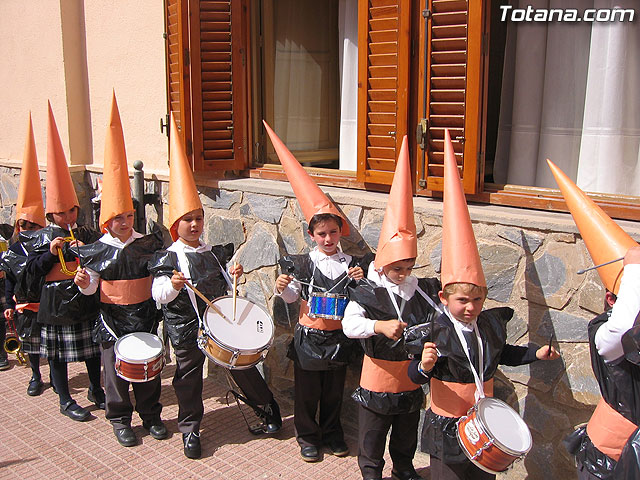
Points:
(348, 61)
(570, 93)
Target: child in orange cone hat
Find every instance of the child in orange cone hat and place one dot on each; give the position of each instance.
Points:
(599, 446)
(467, 343)
(389, 301)
(319, 350)
(66, 317)
(116, 265)
(189, 257)
(29, 217)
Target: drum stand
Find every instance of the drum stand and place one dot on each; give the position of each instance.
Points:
(256, 429)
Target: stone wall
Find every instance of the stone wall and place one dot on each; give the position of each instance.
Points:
(530, 260)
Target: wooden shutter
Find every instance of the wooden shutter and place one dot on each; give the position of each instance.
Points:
(177, 68)
(219, 87)
(383, 85)
(454, 66)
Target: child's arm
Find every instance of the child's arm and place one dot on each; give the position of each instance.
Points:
(623, 314)
(420, 369)
(87, 281)
(165, 289)
(514, 355)
(287, 288)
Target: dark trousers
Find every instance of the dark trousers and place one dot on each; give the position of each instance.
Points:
(187, 382)
(119, 408)
(454, 471)
(372, 436)
(318, 390)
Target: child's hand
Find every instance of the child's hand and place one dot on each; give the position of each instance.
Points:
(56, 244)
(236, 270)
(178, 280)
(392, 329)
(82, 278)
(356, 273)
(543, 353)
(429, 356)
(282, 281)
(8, 314)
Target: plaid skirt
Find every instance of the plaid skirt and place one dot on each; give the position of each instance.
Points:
(68, 343)
(31, 344)
(30, 336)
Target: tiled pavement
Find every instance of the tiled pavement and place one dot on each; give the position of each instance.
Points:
(36, 441)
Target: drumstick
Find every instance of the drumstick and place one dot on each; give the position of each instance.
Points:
(206, 300)
(580, 272)
(235, 286)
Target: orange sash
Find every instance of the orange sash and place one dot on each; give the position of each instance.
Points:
(317, 323)
(452, 399)
(609, 430)
(55, 274)
(125, 292)
(21, 307)
(386, 376)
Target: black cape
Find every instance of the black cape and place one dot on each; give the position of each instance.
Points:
(205, 269)
(377, 304)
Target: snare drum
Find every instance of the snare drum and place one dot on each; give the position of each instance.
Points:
(238, 344)
(327, 305)
(493, 435)
(139, 356)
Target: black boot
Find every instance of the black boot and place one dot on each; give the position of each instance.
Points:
(272, 419)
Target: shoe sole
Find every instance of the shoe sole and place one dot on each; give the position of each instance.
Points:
(77, 419)
(310, 459)
(36, 392)
(193, 455)
(340, 454)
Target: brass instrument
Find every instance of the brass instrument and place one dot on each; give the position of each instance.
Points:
(63, 264)
(13, 344)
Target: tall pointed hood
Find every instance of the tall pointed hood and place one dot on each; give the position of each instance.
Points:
(116, 189)
(183, 194)
(312, 200)
(604, 239)
(29, 205)
(398, 240)
(460, 259)
(60, 194)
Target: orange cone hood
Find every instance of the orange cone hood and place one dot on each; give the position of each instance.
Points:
(183, 195)
(460, 258)
(116, 190)
(398, 239)
(604, 239)
(312, 200)
(60, 195)
(29, 206)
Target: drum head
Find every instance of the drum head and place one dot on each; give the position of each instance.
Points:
(504, 425)
(138, 346)
(251, 331)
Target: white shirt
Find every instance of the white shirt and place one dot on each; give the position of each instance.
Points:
(162, 289)
(608, 338)
(94, 277)
(355, 324)
(331, 266)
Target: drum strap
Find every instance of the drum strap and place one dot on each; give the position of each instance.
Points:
(429, 300)
(183, 265)
(478, 375)
(609, 430)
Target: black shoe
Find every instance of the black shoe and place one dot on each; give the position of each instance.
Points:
(405, 475)
(35, 387)
(4, 361)
(338, 448)
(310, 454)
(97, 397)
(192, 448)
(156, 429)
(74, 411)
(273, 419)
(125, 436)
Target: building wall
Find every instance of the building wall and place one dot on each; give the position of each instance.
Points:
(75, 54)
(530, 260)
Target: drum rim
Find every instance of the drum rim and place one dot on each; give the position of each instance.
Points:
(487, 432)
(205, 327)
(136, 361)
(327, 294)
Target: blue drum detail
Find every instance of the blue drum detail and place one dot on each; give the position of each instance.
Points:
(327, 305)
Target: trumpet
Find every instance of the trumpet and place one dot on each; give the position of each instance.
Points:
(13, 344)
(63, 264)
